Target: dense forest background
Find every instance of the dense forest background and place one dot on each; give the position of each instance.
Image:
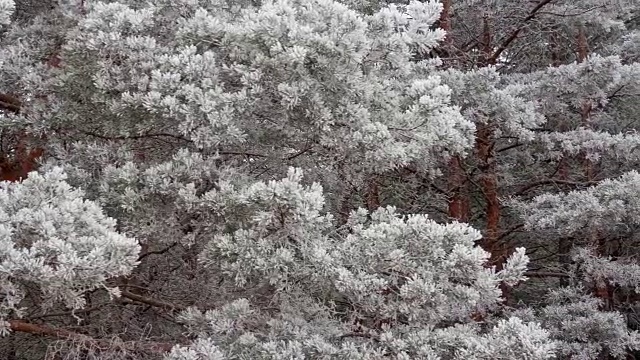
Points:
(319, 179)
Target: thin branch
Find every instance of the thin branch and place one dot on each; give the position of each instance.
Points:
(22, 326)
(134, 137)
(615, 92)
(157, 252)
(303, 151)
(542, 274)
(510, 231)
(550, 254)
(554, 182)
(37, 329)
(242, 153)
(509, 147)
(150, 301)
(514, 35)
(566, 14)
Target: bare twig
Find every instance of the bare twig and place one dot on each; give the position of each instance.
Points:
(542, 274)
(555, 182)
(151, 301)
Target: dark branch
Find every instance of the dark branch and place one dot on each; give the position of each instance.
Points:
(555, 182)
(514, 35)
(10, 103)
(134, 137)
(37, 329)
(542, 274)
(157, 252)
(150, 301)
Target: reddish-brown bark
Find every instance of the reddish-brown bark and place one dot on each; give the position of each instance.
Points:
(22, 160)
(458, 190)
(486, 163)
(16, 163)
(134, 346)
(445, 20)
(485, 145)
(489, 184)
(457, 179)
(10, 103)
(583, 45)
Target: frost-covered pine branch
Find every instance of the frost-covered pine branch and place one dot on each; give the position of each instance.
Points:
(53, 238)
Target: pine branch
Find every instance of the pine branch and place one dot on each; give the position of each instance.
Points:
(132, 346)
(12, 103)
(157, 252)
(554, 182)
(151, 301)
(543, 274)
(514, 35)
(134, 137)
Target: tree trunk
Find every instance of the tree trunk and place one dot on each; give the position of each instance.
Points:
(458, 207)
(373, 193)
(458, 191)
(485, 145)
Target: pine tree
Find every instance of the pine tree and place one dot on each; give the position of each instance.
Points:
(189, 179)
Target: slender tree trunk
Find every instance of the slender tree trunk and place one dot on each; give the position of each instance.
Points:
(458, 207)
(373, 193)
(458, 190)
(489, 184)
(445, 24)
(485, 145)
(345, 207)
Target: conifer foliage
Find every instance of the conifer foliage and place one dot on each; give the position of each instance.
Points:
(319, 179)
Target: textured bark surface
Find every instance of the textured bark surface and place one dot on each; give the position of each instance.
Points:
(373, 193)
(20, 159)
(458, 190)
(458, 207)
(489, 183)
